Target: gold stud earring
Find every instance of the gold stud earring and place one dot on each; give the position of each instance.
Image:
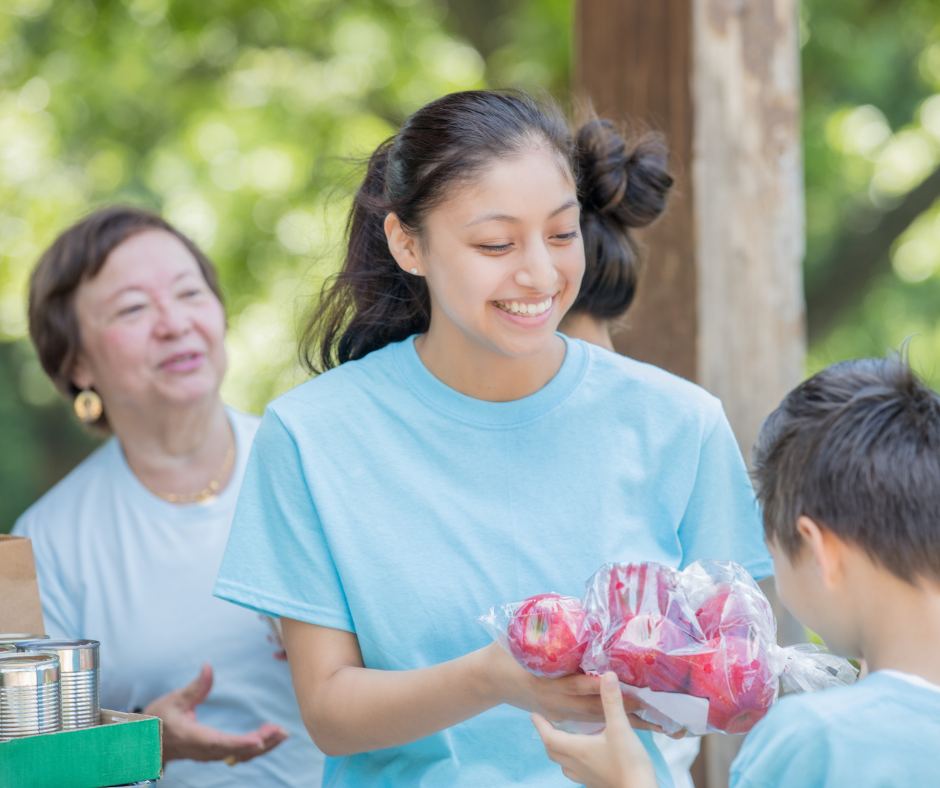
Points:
(88, 406)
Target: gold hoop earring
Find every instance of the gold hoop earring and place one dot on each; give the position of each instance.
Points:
(88, 406)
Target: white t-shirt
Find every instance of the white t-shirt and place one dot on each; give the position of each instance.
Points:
(118, 564)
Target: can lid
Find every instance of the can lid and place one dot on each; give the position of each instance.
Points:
(74, 654)
(15, 638)
(19, 669)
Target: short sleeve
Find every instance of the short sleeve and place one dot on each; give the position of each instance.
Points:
(787, 749)
(722, 519)
(59, 612)
(277, 560)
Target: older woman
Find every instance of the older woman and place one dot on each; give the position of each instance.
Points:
(127, 319)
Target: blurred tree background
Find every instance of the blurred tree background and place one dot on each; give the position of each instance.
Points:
(242, 122)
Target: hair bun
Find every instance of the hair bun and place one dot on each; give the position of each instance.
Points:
(627, 185)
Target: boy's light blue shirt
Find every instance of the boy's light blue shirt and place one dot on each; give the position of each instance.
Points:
(882, 732)
(380, 501)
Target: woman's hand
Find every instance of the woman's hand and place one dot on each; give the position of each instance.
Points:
(614, 758)
(576, 697)
(184, 737)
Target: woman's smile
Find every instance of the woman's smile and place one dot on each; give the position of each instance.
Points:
(183, 362)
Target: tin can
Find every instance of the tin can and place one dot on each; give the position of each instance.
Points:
(78, 667)
(13, 638)
(30, 700)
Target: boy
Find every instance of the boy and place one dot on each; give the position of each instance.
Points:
(848, 476)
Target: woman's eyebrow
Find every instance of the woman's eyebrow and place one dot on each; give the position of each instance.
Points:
(502, 217)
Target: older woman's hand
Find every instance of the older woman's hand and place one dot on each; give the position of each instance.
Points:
(184, 737)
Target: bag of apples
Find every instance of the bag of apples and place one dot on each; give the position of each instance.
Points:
(697, 647)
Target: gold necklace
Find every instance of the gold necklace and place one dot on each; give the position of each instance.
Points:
(211, 491)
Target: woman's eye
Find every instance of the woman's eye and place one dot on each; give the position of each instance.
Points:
(498, 248)
(129, 310)
(567, 236)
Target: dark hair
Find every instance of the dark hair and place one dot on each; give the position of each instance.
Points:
(371, 302)
(77, 255)
(856, 448)
(621, 186)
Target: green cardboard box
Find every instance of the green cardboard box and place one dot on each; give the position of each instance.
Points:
(124, 748)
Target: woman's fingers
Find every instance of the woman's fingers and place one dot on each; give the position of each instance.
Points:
(196, 691)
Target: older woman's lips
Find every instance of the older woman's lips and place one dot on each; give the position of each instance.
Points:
(182, 362)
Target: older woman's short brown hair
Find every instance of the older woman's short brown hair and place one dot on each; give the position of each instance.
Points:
(77, 255)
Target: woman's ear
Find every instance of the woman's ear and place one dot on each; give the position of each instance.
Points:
(404, 247)
(826, 549)
(81, 374)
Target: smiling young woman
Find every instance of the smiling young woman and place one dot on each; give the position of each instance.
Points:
(457, 452)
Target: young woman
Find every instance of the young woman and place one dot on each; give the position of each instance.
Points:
(458, 453)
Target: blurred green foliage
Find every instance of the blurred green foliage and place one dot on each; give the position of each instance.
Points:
(242, 122)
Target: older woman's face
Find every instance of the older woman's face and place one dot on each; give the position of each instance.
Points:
(152, 331)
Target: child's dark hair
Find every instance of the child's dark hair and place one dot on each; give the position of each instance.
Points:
(621, 186)
(371, 302)
(856, 448)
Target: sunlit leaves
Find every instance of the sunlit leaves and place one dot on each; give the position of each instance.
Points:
(242, 122)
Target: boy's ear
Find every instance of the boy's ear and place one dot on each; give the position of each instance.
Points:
(404, 247)
(826, 549)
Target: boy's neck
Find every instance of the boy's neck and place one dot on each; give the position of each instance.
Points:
(899, 625)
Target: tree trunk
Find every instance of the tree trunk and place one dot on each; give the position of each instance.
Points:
(721, 299)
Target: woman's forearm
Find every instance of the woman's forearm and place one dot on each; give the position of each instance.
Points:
(348, 708)
(358, 709)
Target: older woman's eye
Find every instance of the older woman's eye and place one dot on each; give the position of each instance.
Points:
(130, 310)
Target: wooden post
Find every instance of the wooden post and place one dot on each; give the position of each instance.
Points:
(721, 299)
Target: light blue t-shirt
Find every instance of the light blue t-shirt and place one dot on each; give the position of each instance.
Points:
(380, 501)
(882, 732)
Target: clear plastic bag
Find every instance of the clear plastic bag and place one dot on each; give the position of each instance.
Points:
(677, 640)
(707, 632)
(544, 633)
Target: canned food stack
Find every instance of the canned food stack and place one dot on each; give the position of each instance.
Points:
(78, 669)
(30, 699)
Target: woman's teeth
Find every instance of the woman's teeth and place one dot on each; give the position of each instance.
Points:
(529, 310)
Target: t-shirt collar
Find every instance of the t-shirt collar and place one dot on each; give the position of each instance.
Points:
(493, 414)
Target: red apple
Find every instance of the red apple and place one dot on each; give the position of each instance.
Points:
(735, 678)
(643, 652)
(545, 635)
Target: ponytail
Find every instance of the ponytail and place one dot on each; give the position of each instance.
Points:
(371, 302)
(620, 187)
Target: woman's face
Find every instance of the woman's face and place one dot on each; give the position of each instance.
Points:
(503, 256)
(152, 331)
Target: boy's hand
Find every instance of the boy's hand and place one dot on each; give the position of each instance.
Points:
(613, 758)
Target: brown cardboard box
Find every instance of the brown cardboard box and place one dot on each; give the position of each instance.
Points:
(124, 748)
(20, 608)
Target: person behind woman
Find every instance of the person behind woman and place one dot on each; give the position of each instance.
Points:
(458, 453)
(611, 253)
(607, 164)
(126, 316)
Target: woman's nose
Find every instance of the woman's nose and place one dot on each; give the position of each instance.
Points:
(538, 271)
(172, 321)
